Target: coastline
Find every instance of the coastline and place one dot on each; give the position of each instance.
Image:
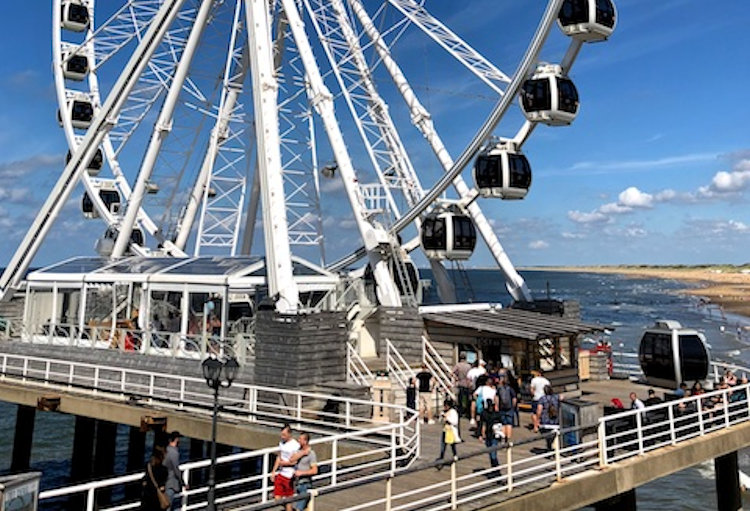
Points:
(725, 286)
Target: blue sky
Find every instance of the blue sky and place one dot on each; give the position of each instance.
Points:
(656, 169)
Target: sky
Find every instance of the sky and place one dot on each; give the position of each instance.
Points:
(655, 169)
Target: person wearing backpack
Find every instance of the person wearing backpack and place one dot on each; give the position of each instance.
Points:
(548, 411)
(506, 405)
(491, 432)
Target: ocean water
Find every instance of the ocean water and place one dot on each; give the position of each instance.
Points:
(627, 305)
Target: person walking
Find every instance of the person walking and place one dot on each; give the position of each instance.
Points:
(490, 431)
(463, 385)
(175, 481)
(635, 403)
(283, 476)
(450, 435)
(548, 411)
(426, 383)
(305, 464)
(153, 497)
(538, 384)
(506, 406)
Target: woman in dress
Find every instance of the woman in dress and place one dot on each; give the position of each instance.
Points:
(153, 481)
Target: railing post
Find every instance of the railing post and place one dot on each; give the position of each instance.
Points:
(509, 464)
(5, 367)
(70, 375)
(96, 379)
(46, 372)
(264, 483)
(186, 481)
(725, 398)
(388, 492)
(334, 460)
(699, 408)
(394, 450)
(25, 369)
(151, 389)
(348, 408)
(672, 432)
(299, 406)
(313, 493)
(454, 496)
(602, 434)
(558, 467)
(639, 430)
(90, 499)
(182, 393)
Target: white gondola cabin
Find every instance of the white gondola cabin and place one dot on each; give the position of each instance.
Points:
(109, 196)
(74, 16)
(94, 166)
(502, 171)
(549, 97)
(588, 20)
(75, 66)
(670, 354)
(448, 235)
(81, 112)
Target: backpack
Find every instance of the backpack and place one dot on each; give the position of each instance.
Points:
(506, 398)
(552, 410)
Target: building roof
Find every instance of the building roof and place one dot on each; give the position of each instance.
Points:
(234, 271)
(510, 323)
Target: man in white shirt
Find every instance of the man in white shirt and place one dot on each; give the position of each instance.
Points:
(475, 372)
(538, 382)
(635, 403)
(283, 477)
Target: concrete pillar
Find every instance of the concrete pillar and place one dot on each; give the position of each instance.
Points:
(728, 494)
(622, 502)
(83, 447)
(23, 439)
(104, 459)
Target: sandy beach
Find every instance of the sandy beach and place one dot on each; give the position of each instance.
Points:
(725, 286)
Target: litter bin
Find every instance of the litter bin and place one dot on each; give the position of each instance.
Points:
(20, 492)
(581, 414)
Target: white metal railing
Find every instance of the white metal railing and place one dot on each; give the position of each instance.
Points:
(437, 366)
(618, 437)
(319, 413)
(356, 368)
(635, 432)
(399, 371)
(375, 451)
(149, 342)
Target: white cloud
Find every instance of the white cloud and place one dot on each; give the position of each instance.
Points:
(632, 197)
(573, 235)
(635, 232)
(18, 168)
(538, 245)
(614, 208)
(593, 217)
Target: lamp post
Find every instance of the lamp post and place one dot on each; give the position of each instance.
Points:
(218, 373)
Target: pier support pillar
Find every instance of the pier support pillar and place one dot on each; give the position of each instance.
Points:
(622, 502)
(83, 446)
(728, 494)
(23, 439)
(104, 459)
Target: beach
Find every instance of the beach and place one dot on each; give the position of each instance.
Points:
(724, 286)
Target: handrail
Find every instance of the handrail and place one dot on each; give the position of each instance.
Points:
(356, 369)
(437, 366)
(397, 367)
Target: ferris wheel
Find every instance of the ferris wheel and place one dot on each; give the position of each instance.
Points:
(192, 124)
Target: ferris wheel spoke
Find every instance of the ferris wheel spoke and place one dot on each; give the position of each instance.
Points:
(163, 125)
(458, 48)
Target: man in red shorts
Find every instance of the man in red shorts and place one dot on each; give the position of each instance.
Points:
(282, 477)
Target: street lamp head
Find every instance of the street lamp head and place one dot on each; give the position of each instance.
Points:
(212, 371)
(231, 367)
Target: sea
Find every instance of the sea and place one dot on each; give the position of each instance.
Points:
(622, 304)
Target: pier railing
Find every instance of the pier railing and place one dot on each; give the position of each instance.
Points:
(317, 412)
(366, 463)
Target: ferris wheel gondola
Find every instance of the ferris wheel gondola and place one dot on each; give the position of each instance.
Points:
(549, 97)
(588, 20)
(448, 235)
(75, 66)
(109, 196)
(503, 172)
(74, 15)
(95, 165)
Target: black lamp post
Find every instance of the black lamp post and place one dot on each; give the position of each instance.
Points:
(218, 373)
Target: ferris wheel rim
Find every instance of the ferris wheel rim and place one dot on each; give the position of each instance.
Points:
(90, 182)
